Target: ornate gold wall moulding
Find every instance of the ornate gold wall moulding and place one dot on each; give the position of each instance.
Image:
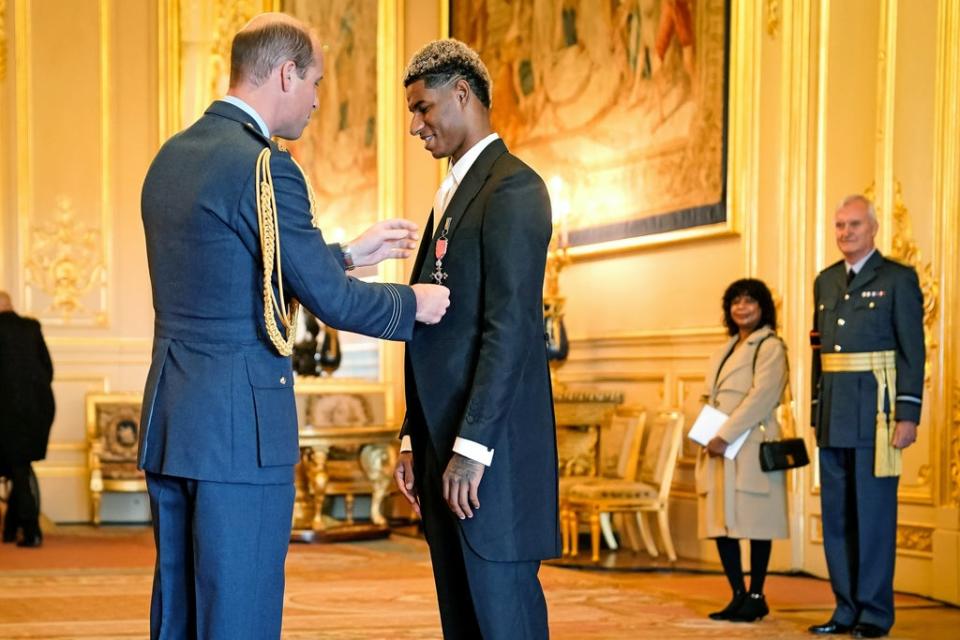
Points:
(955, 447)
(3, 40)
(903, 248)
(65, 261)
(773, 18)
(912, 539)
(915, 539)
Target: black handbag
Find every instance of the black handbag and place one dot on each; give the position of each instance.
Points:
(777, 455)
(788, 453)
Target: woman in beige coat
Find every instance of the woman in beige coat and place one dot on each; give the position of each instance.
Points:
(735, 498)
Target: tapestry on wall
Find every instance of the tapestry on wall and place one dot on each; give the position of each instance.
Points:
(338, 149)
(618, 104)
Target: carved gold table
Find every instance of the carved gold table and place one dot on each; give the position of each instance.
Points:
(363, 464)
(581, 418)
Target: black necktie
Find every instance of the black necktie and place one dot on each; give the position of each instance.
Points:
(851, 274)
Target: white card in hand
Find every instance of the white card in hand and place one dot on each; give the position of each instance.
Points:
(705, 428)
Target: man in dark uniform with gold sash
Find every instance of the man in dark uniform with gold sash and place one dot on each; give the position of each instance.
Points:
(868, 360)
(229, 220)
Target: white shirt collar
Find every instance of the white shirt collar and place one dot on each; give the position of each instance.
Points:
(462, 166)
(250, 111)
(859, 264)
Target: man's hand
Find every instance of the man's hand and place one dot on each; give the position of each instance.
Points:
(432, 302)
(716, 447)
(904, 434)
(461, 480)
(386, 239)
(403, 474)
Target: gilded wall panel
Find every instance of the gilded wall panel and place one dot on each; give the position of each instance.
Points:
(63, 205)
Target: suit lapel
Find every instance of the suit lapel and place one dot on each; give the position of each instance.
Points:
(470, 186)
(742, 357)
(466, 192)
(718, 363)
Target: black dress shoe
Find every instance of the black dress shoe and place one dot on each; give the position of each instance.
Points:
(754, 608)
(867, 630)
(830, 627)
(732, 606)
(32, 540)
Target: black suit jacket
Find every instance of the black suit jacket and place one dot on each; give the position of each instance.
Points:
(25, 394)
(481, 373)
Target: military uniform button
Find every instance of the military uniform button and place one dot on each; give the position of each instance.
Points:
(822, 307)
(837, 347)
(846, 296)
(872, 305)
(841, 321)
(283, 379)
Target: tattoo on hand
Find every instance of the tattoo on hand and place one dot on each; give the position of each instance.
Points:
(464, 469)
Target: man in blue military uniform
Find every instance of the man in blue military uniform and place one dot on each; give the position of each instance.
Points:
(227, 217)
(868, 359)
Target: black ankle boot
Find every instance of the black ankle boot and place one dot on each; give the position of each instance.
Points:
(732, 607)
(753, 608)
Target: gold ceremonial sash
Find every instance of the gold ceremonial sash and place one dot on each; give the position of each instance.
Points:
(883, 365)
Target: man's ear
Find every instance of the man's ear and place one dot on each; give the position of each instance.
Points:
(462, 91)
(287, 69)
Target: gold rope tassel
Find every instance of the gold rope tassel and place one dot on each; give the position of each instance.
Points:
(887, 461)
(883, 364)
(270, 247)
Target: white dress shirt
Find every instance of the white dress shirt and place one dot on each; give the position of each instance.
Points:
(859, 264)
(463, 446)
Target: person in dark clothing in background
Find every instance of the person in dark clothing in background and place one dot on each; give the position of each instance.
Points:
(28, 407)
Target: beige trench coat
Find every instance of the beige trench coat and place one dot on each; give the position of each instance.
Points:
(736, 498)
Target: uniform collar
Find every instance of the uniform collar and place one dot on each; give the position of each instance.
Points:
(858, 265)
(250, 111)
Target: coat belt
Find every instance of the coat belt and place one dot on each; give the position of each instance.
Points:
(883, 365)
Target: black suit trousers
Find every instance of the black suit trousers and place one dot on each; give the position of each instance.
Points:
(478, 598)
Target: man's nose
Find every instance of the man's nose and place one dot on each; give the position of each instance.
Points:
(416, 124)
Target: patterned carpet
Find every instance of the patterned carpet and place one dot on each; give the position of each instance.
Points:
(96, 584)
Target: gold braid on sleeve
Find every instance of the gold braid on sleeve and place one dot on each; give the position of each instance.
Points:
(270, 247)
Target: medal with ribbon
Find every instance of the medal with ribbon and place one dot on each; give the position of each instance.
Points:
(440, 250)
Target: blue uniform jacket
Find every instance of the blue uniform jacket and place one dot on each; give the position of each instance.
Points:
(219, 403)
(882, 310)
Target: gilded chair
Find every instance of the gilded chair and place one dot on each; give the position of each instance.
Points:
(619, 456)
(648, 493)
(113, 433)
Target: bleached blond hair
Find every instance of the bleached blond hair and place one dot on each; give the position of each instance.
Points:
(442, 62)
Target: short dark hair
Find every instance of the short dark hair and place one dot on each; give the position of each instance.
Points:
(757, 290)
(444, 61)
(255, 53)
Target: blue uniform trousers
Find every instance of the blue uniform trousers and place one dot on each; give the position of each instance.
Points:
(220, 558)
(859, 514)
(478, 598)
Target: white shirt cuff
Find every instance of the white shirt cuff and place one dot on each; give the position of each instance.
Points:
(473, 450)
(406, 444)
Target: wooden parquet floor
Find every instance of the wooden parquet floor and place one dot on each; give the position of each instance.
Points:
(96, 584)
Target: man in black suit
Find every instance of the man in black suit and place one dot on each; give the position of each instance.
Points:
(868, 359)
(478, 453)
(27, 400)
